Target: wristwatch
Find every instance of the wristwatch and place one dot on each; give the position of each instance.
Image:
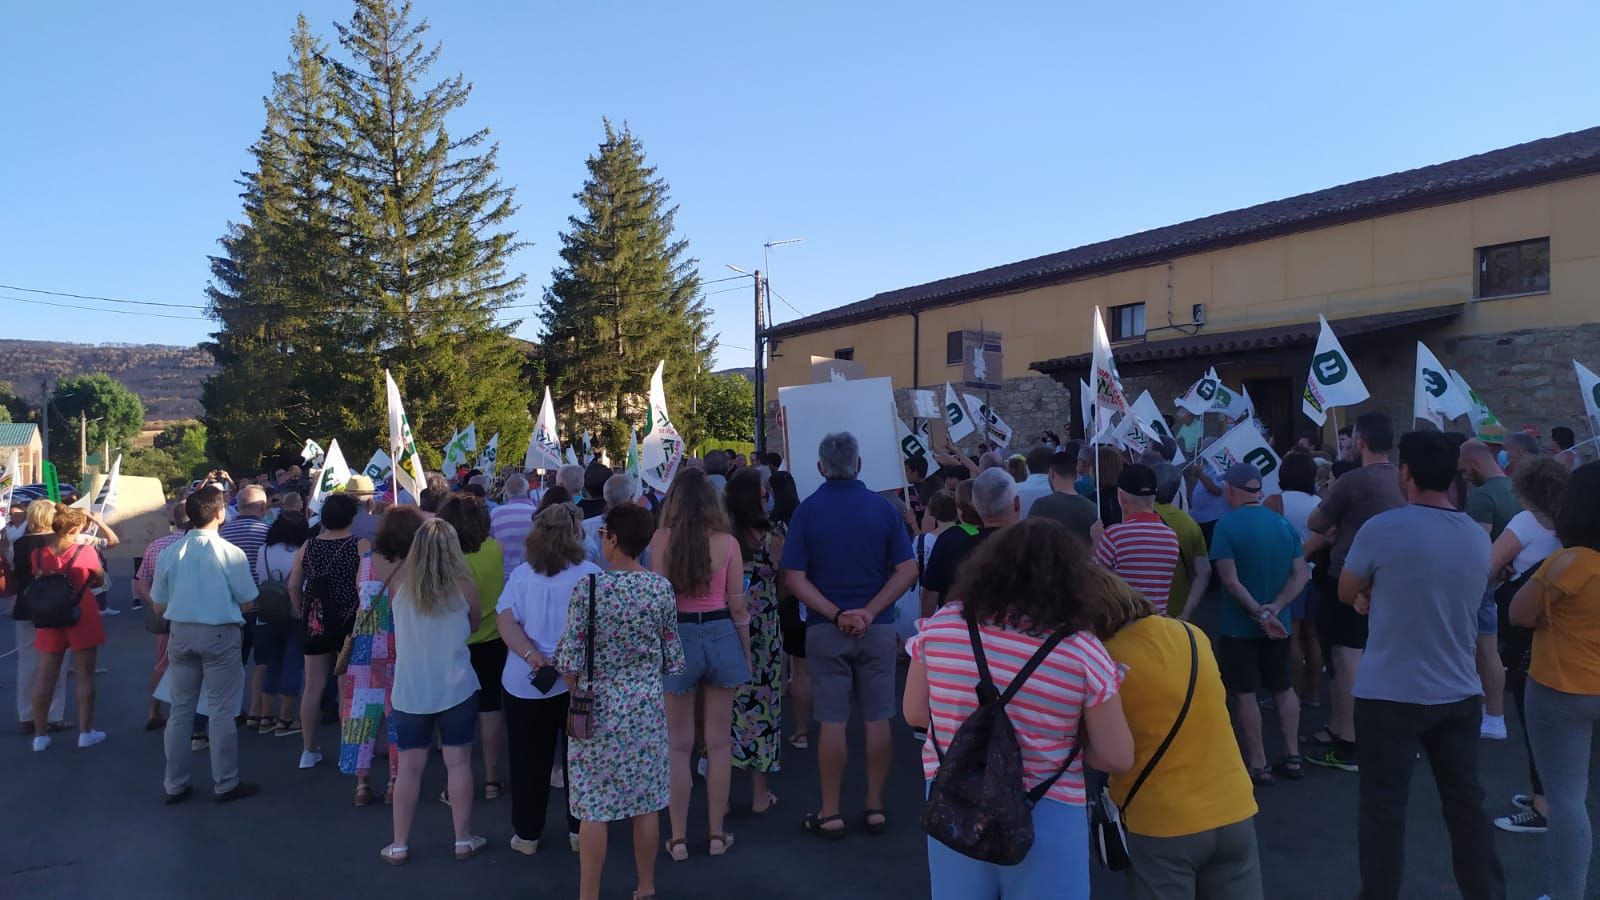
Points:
(1263, 614)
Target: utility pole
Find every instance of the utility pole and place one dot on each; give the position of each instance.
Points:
(761, 395)
(44, 416)
(83, 443)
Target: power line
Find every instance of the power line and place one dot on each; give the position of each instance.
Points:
(124, 312)
(775, 294)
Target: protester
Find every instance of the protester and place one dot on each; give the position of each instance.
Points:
(143, 578)
(1017, 467)
(324, 591)
(593, 503)
(1108, 469)
(1297, 483)
(1258, 560)
(1036, 483)
(619, 490)
(556, 496)
(203, 587)
(1139, 547)
(1192, 576)
(716, 469)
(1355, 497)
(1561, 603)
(38, 531)
(695, 551)
(1527, 540)
(1191, 832)
(435, 609)
(785, 496)
(994, 498)
(848, 559)
(1519, 445)
(1027, 583)
(915, 494)
(1063, 504)
(532, 613)
(280, 666)
(511, 521)
(361, 489)
(467, 515)
(1562, 441)
(66, 556)
(17, 524)
(1206, 501)
(1418, 572)
(758, 703)
(247, 530)
(940, 515)
(1491, 503)
(570, 476)
(620, 644)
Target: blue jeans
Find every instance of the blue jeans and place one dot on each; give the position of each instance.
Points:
(712, 655)
(457, 726)
(1057, 868)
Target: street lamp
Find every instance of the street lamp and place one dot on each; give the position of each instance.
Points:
(762, 287)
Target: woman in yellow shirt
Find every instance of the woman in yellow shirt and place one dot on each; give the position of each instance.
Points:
(1191, 829)
(485, 560)
(1562, 604)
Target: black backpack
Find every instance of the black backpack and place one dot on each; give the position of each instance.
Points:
(976, 805)
(272, 599)
(52, 600)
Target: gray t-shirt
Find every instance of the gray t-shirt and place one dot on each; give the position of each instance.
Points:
(1356, 497)
(1075, 512)
(1428, 566)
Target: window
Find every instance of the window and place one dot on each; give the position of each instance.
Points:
(1127, 322)
(845, 353)
(1507, 269)
(953, 349)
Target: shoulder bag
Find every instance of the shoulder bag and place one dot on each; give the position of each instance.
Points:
(580, 712)
(1110, 836)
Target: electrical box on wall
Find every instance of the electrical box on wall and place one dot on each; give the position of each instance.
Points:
(1198, 314)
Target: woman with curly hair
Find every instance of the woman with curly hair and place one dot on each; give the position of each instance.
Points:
(758, 703)
(1029, 590)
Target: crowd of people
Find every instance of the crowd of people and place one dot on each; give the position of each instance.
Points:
(605, 643)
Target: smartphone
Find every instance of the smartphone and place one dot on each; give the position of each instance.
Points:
(545, 678)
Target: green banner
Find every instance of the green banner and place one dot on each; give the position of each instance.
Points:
(51, 484)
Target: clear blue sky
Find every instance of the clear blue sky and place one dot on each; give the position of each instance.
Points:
(904, 141)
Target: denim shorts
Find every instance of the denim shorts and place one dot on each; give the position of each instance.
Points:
(713, 656)
(1488, 615)
(457, 726)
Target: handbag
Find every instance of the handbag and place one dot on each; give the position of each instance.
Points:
(580, 713)
(1106, 828)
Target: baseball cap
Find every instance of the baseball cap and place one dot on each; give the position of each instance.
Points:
(1244, 476)
(359, 485)
(1138, 480)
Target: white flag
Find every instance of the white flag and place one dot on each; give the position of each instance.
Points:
(1244, 443)
(1150, 415)
(544, 445)
(408, 474)
(910, 444)
(1086, 407)
(10, 476)
(923, 405)
(1333, 380)
(1231, 403)
(956, 416)
(1197, 400)
(447, 456)
(464, 442)
(588, 443)
(1436, 397)
(469, 438)
(633, 452)
(1483, 420)
(1109, 400)
(1589, 383)
(490, 455)
(334, 476)
(379, 468)
(310, 451)
(663, 449)
(992, 424)
(105, 502)
(571, 457)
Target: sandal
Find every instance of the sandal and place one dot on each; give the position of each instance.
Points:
(395, 856)
(815, 824)
(772, 800)
(252, 723)
(1320, 736)
(801, 741)
(675, 845)
(492, 789)
(725, 840)
(285, 727)
(1263, 776)
(364, 795)
(1292, 768)
(469, 848)
(878, 827)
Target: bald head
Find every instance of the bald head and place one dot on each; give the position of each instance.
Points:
(1478, 462)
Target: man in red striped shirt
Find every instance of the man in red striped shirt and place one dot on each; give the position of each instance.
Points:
(1140, 548)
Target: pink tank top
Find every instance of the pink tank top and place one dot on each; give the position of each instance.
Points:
(716, 595)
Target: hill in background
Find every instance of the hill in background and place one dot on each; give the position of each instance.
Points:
(167, 379)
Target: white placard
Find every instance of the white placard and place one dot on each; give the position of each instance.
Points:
(863, 407)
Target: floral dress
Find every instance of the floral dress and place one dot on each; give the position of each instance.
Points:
(365, 686)
(758, 703)
(621, 771)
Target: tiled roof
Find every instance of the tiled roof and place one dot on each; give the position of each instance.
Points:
(16, 434)
(1524, 165)
(1296, 335)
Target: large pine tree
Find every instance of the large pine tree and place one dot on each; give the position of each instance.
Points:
(425, 215)
(626, 296)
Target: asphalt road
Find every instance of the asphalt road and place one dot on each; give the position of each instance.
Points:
(91, 823)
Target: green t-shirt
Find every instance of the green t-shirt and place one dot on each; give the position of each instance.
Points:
(1263, 547)
(1493, 503)
(488, 573)
(1191, 545)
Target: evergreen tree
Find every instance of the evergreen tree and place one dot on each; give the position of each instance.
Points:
(425, 214)
(626, 296)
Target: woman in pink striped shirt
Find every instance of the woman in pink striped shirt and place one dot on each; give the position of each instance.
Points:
(1022, 585)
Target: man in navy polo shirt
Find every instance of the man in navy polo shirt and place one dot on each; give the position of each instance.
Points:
(848, 559)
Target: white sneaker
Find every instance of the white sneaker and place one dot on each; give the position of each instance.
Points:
(309, 759)
(111, 611)
(90, 738)
(525, 847)
(41, 743)
(572, 841)
(1493, 728)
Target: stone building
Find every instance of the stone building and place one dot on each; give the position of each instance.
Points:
(1492, 260)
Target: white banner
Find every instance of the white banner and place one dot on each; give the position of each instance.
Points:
(924, 405)
(334, 476)
(956, 417)
(408, 473)
(490, 455)
(1435, 396)
(310, 451)
(1108, 397)
(544, 445)
(1589, 384)
(1244, 443)
(105, 502)
(10, 477)
(379, 468)
(633, 452)
(663, 450)
(1333, 380)
(1086, 407)
(993, 426)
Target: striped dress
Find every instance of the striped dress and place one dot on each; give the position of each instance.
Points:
(1144, 551)
(1045, 713)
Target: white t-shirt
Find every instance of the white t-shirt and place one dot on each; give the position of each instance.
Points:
(1297, 507)
(539, 604)
(273, 562)
(432, 668)
(1537, 542)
